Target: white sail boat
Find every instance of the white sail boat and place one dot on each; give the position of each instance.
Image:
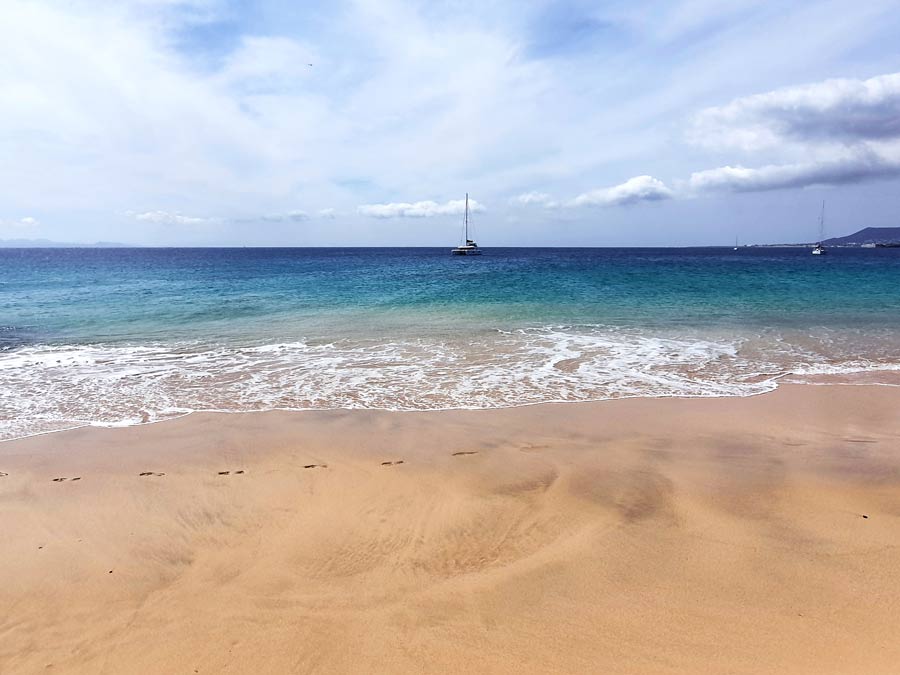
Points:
(819, 249)
(470, 247)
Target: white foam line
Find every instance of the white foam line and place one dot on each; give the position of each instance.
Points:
(225, 411)
(400, 411)
(611, 365)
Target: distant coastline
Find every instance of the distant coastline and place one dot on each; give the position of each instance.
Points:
(47, 243)
(868, 237)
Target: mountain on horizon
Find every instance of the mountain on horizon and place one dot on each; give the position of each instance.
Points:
(867, 235)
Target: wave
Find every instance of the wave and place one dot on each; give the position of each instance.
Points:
(49, 387)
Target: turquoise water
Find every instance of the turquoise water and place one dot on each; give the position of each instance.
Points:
(118, 336)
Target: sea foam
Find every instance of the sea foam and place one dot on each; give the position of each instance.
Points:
(46, 387)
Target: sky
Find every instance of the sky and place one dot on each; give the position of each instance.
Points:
(365, 122)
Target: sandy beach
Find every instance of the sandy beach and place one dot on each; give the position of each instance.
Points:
(733, 535)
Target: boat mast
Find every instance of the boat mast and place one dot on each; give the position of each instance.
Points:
(822, 223)
(467, 219)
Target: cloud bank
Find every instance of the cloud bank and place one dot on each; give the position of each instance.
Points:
(160, 217)
(843, 131)
(168, 218)
(778, 177)
(833, 110)
(425, 209)
(632, 191)
(207, 115)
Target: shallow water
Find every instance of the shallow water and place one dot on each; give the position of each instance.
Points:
(119, 336)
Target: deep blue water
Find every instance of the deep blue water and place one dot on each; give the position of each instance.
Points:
(89, 295)
(154, 332)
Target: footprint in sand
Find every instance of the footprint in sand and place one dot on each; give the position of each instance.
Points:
(228, 473)
(60, 480)
(150, 473)
(465, 452)
(3, 474)
(315, 466)
(395, 462)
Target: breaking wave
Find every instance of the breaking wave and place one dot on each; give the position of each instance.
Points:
(50, 387)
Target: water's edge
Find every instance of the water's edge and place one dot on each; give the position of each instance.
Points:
(775, 382)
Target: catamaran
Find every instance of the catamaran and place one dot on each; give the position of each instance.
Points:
(470, 247)
(819, 249)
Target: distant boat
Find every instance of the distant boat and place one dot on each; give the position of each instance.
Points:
(735, 243)
(819, 248)
(470, 247)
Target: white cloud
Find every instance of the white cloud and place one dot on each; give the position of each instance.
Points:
(834, 110)
(290, 216)
(426, 209)
(198, 107)
(167, 218)
(24, 223)
(534, 198)
(174, 218)
(632, 191)
(835, 132)
(328, 214)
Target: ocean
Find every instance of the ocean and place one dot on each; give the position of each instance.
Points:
(124, 336)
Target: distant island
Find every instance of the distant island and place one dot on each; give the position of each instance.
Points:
(868, 237)
(46, 243)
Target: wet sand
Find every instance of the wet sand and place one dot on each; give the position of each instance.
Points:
(756, 535)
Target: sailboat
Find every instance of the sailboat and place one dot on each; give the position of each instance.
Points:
(470, 247)
(735, 243)
(819, 249)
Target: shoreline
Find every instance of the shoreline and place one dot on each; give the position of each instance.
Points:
(667, 535)
(818, 379)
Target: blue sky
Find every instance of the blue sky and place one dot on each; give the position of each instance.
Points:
(201, 122)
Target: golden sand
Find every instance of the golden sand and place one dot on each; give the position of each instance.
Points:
(755, 535)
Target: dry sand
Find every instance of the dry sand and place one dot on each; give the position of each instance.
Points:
(641, 536)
